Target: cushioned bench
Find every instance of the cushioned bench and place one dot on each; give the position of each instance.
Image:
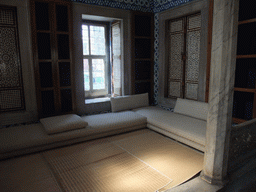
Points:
(186, 124)
(31, 138)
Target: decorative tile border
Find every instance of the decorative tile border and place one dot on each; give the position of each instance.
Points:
(136, 5)
(162, 5)
(154, 6)
(156, 58)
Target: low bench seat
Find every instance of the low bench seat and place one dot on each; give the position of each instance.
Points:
(186, 124)
(183, 128)
(25, 139)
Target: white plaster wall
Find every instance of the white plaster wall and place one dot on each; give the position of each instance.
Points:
(24, 29)
(184, 10)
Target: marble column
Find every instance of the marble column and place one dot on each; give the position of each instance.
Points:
(223, 60)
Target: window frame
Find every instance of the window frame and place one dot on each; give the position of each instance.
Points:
(95, 93)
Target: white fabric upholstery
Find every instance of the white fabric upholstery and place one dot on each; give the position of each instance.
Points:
(31, 138)
(110, 121)
(192, 108)
(184, 126)
(129, 102)
(178, 138)
(63, 123)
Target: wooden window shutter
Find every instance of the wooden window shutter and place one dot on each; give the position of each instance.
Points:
(193, 56)
(184, 57)
(176, 63)
(116, 59)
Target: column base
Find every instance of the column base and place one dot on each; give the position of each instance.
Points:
(213, 181)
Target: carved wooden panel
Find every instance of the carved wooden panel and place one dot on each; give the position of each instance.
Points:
(175, 64)
(184, 57)
(176, 26)
(7, 17)
(10, 99)
(11, 90)
(175, 89)
(175, 60)
(191, 91)
(194, 21)
(192, 56)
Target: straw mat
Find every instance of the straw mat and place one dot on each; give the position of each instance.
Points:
(102, 166)
(133, 162)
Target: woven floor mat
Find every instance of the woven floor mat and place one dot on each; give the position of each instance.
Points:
(171, 158)
(112, 170)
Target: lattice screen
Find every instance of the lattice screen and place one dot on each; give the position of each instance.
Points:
(193, 56)
(11, 90)
(176, 47)
(184, 52)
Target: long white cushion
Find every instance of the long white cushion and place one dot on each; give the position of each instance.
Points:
(111, 121)
(192, 108)
(129, 102)
(187, 127)
(62, 123)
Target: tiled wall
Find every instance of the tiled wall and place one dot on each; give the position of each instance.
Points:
(137, 5)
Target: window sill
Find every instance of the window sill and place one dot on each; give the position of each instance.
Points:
(97, 100)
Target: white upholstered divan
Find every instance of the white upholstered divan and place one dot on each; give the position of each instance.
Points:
(25, 139)
(186, 124)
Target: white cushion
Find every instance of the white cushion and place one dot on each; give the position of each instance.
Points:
(112, 121)
(129, 102)
(63, 123)
(192, 108)
(187, 127)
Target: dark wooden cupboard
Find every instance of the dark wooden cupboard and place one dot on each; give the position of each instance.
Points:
(52, 52)
(143, 54)
(244, 104)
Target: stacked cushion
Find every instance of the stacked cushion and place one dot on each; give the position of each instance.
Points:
(62, 123)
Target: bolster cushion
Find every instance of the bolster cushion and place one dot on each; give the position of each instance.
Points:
(62, 123)
(192, 108)
(129, 102)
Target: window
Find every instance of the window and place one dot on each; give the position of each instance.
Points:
(102, 70)
(95, 59)
(184, 55)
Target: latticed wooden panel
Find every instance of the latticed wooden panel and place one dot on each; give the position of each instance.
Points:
(175, 89)
(191, 91)
(10, 99)
(11, 90)
(7, 17)
(193, 56)
(194, 21)
(175, 60)
(175, 64)
(177, 26)
(9, 66)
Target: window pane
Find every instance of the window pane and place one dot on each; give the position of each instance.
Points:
(86, 75)
(97, 37)
(98, 72)
(85, 39)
